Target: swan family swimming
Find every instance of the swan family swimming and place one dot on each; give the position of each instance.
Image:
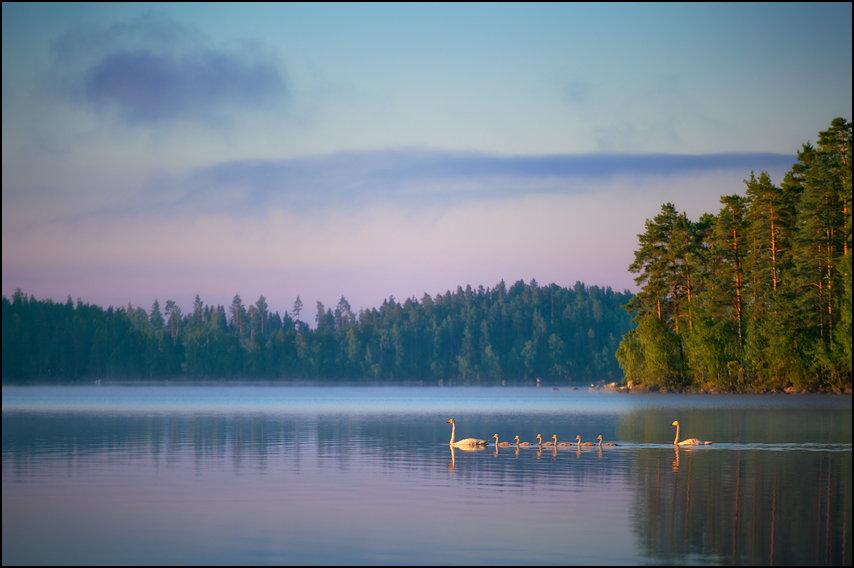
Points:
(475, 443)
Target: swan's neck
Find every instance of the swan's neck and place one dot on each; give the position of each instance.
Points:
(676, 441)
(453, 428)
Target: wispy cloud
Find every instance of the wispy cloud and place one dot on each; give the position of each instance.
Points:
(419, 178)
(152, 70)
(342, 223)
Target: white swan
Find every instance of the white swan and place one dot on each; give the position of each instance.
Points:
(585, 443)
(562, 443)
(468, 442)
(688, 442)
(605, 444)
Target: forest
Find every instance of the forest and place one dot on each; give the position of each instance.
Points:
(756, 297)
(481, 336)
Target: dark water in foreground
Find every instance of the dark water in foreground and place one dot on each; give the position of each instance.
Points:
(362, 475)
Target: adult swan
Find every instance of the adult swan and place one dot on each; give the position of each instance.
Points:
(468, 442)
(688, 442)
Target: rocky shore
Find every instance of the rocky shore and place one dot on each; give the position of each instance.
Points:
(633, 387)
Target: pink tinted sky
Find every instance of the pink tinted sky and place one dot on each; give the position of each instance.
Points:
(161, 151)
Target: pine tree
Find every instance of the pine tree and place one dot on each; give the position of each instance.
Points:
(732, 246)
(297, 310)
(174, 314)
(239, 317)
(665, 264)
(653, 263)
(198, 310)
(262, 315)
(821, 246)
(155, 320)
(769, 229)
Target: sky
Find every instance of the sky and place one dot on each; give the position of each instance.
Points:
(159, 151)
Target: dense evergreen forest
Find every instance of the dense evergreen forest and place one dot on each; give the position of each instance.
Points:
(754, 298)
(471, 336)
(757, 296)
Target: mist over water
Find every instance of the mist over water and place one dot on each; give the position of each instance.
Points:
(284, 475)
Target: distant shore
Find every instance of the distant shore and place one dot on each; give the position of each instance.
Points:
(602, 386)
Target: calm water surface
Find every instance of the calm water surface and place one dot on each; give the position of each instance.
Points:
(364, 475)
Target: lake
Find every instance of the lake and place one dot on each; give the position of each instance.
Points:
(365, 475)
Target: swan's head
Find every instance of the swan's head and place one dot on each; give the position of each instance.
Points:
(554, 436)
(578, 438)
(675, 423)
(540, 437)
(495, 436)
(599, 437)
(451, 421)
(517, 438)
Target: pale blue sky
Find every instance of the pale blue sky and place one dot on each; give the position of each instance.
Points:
(368, 150)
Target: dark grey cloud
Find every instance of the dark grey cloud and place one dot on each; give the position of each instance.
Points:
(421, 178)
(153, 69)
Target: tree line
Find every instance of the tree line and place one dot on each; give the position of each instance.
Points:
(757, 296)
(471, 336)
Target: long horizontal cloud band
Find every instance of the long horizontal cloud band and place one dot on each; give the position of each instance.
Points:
(355, 177)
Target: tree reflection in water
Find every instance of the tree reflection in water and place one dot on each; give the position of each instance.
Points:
(363, 475)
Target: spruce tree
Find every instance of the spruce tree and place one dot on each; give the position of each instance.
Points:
(155, 320)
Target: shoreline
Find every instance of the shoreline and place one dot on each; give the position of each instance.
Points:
(612, 387)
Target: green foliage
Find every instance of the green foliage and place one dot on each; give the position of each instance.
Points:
(156, 320)
(651, 354)
(711, 346)
(842, 337)
(764, 286)
(470, 336)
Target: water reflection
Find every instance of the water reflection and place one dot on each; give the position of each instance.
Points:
(744, 506)
(269, 487)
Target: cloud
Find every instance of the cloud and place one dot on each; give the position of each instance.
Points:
(367, 224)
(149, 87)
(367, 253)
(412, 180)
(419, 178)
(152, 70)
